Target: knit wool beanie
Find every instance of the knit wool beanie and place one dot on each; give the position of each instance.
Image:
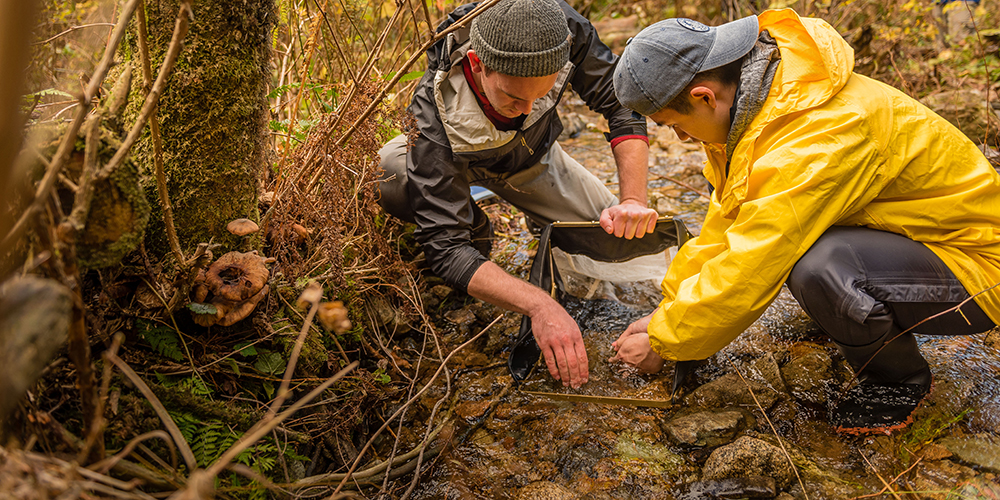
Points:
(522, 37)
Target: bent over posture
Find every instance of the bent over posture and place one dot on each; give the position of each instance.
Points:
(486, 115)
(876, 211)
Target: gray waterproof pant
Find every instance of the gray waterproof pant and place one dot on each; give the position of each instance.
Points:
(557, 188)
(864, 287)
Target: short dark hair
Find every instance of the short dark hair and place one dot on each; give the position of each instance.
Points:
(727, 74)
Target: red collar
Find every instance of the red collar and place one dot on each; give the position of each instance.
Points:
(499, 121)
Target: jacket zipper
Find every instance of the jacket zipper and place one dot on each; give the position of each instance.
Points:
(525, 144)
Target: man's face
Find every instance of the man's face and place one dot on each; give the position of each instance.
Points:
(511, 96)
(707, 122)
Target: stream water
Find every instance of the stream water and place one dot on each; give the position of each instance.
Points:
(721, 438)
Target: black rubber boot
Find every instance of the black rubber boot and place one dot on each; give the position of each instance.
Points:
(890, 386)
(898, 362)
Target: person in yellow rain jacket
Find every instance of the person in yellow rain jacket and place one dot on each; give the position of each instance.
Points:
(877, 212)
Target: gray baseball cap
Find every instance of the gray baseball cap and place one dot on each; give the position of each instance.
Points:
(662, 59)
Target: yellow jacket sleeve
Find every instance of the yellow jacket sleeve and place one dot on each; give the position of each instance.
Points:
(817, 168)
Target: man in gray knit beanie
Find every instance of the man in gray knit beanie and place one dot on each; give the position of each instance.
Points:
(485, 117)
(522, 38)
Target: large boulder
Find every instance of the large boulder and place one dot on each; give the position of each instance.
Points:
(707, 428)
(749, 457)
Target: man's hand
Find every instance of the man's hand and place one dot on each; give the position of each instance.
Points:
(629, 219)
(559, 338)
(633, 348)
(556, 333)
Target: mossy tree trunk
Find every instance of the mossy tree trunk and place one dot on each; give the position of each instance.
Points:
(212, 117)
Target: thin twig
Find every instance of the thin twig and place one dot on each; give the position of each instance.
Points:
(161, 411)
(310, 48)
(292, 361)
(371, 440)
(683, 185)
(773, 430)
(264, 426)
(910, 329)
(97, 426)
(70, 30)
(901, 474)
(154, 129)
(409, 62)
(68, 142)
(106, 464)
(886, 485)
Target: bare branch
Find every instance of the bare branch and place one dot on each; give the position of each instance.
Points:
(154, 129)
(161, 411)
(69, 139)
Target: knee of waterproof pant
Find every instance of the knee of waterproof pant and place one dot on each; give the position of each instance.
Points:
(824, 282)
(392, 185)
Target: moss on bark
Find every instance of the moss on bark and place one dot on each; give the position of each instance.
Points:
(213, 117)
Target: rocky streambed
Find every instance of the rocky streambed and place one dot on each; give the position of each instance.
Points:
(750, 422)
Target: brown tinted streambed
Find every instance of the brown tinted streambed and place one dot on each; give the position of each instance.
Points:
(715, 442)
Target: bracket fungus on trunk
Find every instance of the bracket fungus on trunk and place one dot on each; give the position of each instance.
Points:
(234, 284)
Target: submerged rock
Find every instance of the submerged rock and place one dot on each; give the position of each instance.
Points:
(706, 428)
(749, 457)
(729, 390)
(981, 450)
(546, 490)
(936, 479)
(733, 487)
(808, 376)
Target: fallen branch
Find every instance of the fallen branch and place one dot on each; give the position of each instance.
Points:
(168, 422)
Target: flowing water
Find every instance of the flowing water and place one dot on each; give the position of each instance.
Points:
(777, 379)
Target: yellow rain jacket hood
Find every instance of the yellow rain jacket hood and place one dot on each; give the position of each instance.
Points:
(829, 147)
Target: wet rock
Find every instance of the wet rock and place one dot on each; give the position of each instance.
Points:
(429, 300)
(572, 126)
(749, 457)
(658, 457)
(706, 428)
(734, 487)
(934, 451)
(471, 410)
(666, 206)
(546, 490)
(808, 376)
(981, 450)
(937, 479)
(729, 390)
(462, 317)
(765, 368)
(387, 316)
(442, 291)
